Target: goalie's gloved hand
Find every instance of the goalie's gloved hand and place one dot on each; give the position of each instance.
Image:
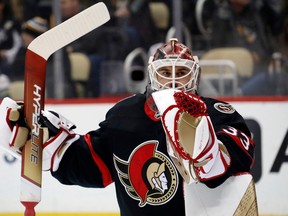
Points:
(14, 133)
(13, 129)
(58, 136)
(190, 103)
(192, 143)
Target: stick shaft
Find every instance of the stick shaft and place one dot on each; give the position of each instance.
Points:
(37, 55)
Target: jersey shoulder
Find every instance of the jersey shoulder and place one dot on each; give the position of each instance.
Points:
(214, 105)
(223, 114)
(130, 106)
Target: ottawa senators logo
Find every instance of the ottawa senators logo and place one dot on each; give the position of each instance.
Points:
(148, 176)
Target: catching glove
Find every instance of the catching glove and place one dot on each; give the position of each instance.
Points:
(191, 140)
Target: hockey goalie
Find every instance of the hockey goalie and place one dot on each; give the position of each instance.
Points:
(169, 151)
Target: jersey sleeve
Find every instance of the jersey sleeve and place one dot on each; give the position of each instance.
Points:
(86, 162)
(89, 161)
(232, 131)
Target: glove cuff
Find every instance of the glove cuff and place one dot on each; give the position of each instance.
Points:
(61, 151)
(55, 147)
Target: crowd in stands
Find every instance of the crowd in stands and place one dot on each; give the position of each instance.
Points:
(243, 23)
(260, 26)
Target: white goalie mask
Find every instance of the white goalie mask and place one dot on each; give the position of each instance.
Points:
(173, 66)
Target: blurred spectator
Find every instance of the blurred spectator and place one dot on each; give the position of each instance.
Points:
(274, 82)
(30, 30)
(70, 8)
(238, 23)
(89, 44)
(110, 42)
(272, 14)
(200, 40)
(134, 17)
(10, 40)
(129, 19)
(32, 8)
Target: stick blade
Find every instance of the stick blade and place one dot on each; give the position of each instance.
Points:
(70, 30)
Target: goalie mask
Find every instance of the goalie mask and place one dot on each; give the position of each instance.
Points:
(173, 66)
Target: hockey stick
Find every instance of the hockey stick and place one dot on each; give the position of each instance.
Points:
(37, 55)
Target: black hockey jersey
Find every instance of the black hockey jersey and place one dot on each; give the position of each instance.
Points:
(129, 149)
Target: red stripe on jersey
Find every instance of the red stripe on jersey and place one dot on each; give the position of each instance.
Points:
(106, 176)
(152, 114)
